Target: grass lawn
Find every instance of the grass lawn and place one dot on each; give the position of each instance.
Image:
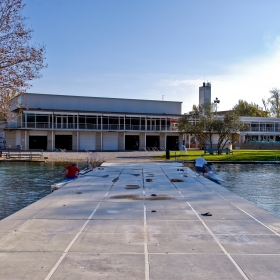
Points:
(238, 155)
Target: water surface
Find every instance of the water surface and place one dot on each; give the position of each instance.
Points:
(258, 183)
(22, 183)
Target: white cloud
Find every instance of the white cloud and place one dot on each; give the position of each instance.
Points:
(250, 80)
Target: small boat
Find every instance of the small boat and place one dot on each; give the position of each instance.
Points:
(58, 185)
(211, 175)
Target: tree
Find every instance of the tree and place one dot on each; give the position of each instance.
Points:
(245, 109)
(198, 120)
(228, 129)
(273, 102)
(20, 61)
(203, 123)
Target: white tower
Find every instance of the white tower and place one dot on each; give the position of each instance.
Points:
(205, 93)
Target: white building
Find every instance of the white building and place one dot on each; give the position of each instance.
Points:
(77, 123)
(262, 130)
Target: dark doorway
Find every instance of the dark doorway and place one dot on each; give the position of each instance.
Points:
(63, 142)
(132, 142)
(172, 143)
(152, 142)
(38, 142)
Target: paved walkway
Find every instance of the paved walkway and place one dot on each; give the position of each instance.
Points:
(136, 221)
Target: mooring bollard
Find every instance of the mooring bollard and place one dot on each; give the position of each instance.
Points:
(167, 154)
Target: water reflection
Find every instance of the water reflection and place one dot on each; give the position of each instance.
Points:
(24, 183)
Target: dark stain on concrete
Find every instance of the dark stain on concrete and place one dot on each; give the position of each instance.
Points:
(137, 197)
(176, 180)
(131, 187)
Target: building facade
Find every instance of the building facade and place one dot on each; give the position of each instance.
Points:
(262, 130)
(77, 123)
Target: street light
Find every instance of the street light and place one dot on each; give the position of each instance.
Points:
(216, 101)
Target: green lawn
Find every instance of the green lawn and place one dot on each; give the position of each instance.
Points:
(238, 155)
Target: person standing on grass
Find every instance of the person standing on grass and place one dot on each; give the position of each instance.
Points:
(71, 171)
(183, 148)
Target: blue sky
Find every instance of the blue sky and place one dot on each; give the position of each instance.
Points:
(158, 49)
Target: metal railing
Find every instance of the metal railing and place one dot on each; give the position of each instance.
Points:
(89, 126)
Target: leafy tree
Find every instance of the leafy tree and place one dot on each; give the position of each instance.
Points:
(20, 61)
(228, 129)
(198, 120)
(243, 108)
(273, 102)
(203, 123)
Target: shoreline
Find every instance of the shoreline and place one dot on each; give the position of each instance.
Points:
(103, 156)
(117, 156)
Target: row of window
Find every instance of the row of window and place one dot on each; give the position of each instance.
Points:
(272, 127)
(96, 122)
(49, 121)
(262, 138)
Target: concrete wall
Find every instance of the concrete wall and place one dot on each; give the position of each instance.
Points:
(49, 144)
(10, 138)
(74, 141)
(247, 146)
(162, 140)
(142, 140)
(121, 143)
(98, 141)
(180, 140)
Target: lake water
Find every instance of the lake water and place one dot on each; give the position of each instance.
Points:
(24, 183)
(258, 183)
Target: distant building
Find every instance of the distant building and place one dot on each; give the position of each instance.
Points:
(78, 123)
(205, 93)
(262, 131)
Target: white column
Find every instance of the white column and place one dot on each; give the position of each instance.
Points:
(124, 141)
(145, 128)
(78, 138)
(101, 144)
(52, 141)
(145, 140)
(25, 140)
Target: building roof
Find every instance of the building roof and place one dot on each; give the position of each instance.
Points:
(98, 104)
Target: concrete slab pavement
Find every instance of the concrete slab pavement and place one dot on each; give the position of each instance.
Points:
(140, 221)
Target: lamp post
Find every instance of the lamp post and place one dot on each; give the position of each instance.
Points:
(216, 101)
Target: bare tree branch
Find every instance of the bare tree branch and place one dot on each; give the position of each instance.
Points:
(20, 62)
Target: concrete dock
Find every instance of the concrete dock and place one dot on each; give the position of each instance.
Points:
(140, 221)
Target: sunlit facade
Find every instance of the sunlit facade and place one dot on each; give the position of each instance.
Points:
(76, 123)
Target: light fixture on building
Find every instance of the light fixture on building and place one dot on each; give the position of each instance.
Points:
(216, 102)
